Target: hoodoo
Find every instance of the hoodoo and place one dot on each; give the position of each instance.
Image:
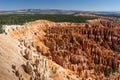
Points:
(45, 50)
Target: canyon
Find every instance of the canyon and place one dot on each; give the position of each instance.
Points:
(46, 50)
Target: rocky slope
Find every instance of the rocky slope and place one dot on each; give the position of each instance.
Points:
(44, 50)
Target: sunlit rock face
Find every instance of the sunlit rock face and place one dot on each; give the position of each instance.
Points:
(45, 50)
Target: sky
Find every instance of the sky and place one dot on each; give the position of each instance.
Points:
(84, 5)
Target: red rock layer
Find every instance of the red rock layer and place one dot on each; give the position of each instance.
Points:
(87, 50)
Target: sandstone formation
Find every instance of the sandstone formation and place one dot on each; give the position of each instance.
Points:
(44, 50)
(86, 15)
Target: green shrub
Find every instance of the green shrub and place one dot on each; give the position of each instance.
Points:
(1, 30)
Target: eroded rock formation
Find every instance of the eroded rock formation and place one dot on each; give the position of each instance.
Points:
(64, 51)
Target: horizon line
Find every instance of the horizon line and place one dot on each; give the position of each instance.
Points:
(61, 9)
